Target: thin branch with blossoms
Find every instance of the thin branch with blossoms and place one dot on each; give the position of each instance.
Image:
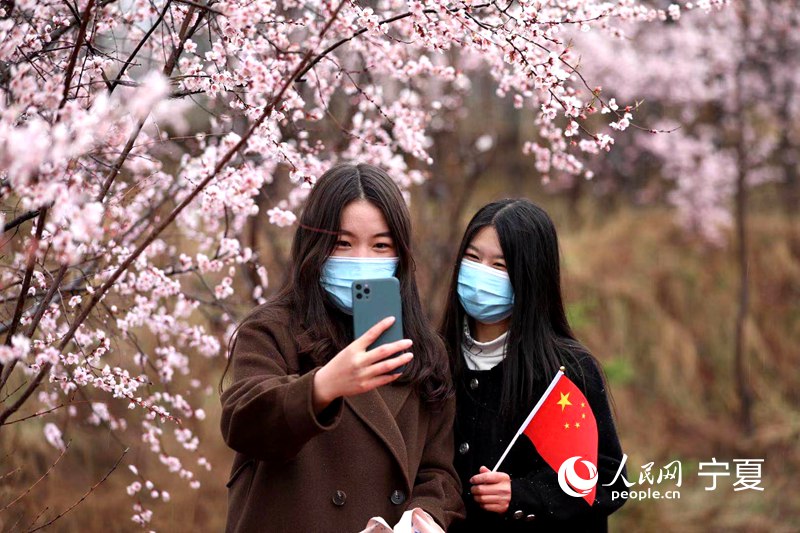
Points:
(185, 33)
(87, 13)
(5, 372)
(45, 412)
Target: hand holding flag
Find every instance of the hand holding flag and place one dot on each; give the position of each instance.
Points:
(491, 490)
(563, 429)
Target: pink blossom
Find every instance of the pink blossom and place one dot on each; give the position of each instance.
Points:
(53, 436)
(281, 217)
(133, 488)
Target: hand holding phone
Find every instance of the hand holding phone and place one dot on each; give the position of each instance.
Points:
(374, 300)
(356, 369)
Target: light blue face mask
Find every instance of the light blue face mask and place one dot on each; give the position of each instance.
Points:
(339, 273)
(485, 292)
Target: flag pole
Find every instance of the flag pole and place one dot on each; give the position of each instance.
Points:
(530, 416)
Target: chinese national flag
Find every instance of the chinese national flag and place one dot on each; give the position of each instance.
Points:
(562, 427)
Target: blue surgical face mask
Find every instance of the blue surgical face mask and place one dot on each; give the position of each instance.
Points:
(339, 273)
(485, 292)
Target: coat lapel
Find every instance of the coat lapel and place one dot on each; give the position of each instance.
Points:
(377, 409)
(394, 396)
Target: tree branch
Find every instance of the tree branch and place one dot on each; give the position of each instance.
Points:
(26, 281)
(5, 373)
(52, 466)
(139, 46)
(86, 495)
(73, 58)
(168, 68)
(100, 293)
(21, 219)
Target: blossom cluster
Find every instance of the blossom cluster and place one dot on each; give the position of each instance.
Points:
(725, 89)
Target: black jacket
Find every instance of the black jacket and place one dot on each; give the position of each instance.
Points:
(537, 501)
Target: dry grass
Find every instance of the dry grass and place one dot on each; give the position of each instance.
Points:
(659, 310)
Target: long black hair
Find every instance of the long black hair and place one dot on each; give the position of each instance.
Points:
(323, 329)
(540, 339)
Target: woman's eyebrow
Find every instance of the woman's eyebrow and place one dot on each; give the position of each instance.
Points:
(351, 234)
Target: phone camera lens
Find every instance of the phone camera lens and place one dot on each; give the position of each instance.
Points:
(366, 291)
(358, 286)
(358, 295)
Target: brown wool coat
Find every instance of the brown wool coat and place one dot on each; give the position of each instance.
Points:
(375, 454)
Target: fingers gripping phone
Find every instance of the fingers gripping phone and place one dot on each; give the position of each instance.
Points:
(374, 300)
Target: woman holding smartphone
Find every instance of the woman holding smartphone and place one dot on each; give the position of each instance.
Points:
(507, 335)
(326, 437)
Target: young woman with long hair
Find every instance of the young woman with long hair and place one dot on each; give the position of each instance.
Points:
(326, 437)
(507, 336)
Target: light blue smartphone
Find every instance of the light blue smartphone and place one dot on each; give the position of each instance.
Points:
(374, 300)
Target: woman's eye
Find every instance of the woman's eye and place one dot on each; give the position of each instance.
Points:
(342, 243)
(499, 265)
(383, 245)
(472, 257)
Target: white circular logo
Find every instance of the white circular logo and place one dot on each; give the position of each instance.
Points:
(568, 479)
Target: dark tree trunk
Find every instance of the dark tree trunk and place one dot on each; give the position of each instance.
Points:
(740, 366)
(742, 243)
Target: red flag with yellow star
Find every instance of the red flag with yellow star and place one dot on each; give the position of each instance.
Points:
(563, 429)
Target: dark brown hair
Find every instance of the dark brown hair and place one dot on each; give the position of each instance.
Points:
(324, 330)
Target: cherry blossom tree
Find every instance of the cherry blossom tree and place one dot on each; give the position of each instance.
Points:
(136, 136)
(726, 87)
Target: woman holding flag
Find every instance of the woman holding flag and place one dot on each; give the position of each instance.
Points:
(549, 435)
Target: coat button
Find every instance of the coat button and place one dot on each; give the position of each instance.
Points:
(473, 383)
(530, 517)
(397, 497)
(463, 448)
(518, 515)
(339, 497)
